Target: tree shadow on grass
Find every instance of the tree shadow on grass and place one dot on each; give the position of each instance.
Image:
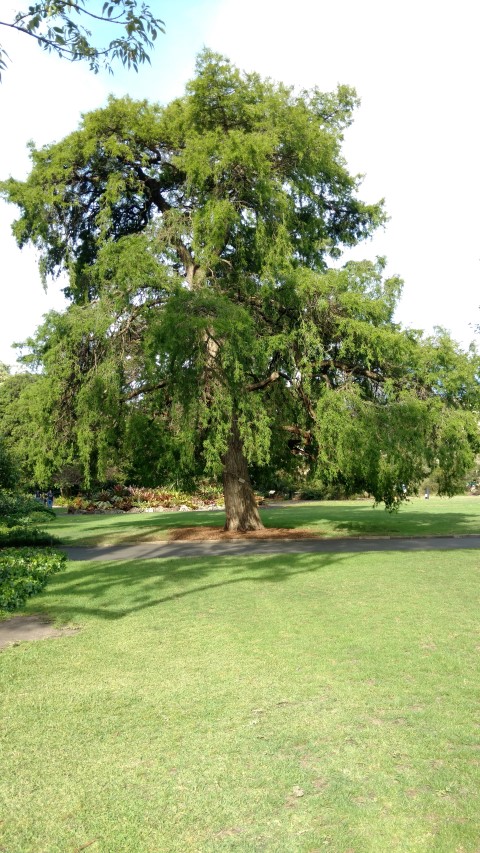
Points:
(359, 519)
(118, 589)
(411, 524)
(351, 519)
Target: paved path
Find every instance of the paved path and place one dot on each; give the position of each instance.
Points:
(234, 547)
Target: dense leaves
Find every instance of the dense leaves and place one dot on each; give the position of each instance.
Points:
(20, 517)
(8, 470)
(25, 572)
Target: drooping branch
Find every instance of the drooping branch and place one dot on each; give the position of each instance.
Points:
(73, 41)
(258, 386)
(356, 369)
(145, 389)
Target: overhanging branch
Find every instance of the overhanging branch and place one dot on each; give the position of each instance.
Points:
(146, 389)
(258, 386)
(356, 370)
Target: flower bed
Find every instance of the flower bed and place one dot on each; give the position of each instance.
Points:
(136, 499)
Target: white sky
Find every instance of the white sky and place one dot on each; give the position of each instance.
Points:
(416, 136)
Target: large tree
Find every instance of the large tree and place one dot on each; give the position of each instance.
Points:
(124, 30)
(197, 238)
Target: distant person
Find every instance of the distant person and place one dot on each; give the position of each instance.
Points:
(427, 494)
(50, 498)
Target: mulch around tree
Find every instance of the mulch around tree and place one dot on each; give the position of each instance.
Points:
(202, 534)
(21, 628)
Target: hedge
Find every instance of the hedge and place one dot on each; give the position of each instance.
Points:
(24, 572)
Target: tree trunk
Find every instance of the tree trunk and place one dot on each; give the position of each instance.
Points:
(240, 505)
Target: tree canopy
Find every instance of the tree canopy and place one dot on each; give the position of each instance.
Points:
(63, 27)
(210, 320)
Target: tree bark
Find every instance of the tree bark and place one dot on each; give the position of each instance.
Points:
(240, 504)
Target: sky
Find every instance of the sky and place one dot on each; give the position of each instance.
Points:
(416, 135)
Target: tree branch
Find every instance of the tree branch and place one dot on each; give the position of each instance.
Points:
(303, 433)
(258, 386)
(184, 255)
(147, 389)
(352, 369)
(306, 401)
(72, 41)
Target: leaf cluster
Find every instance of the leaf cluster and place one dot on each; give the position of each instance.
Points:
(69, 29)
(25, 572)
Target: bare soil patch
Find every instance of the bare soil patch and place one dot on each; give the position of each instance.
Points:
(20, 628)
(202, 534)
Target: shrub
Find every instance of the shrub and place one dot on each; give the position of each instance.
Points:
(16, 508)
(24, 572)
(125, 504)
(79, 503)
(325, 492)
(23, 534)
(313, 493)
(19, 516)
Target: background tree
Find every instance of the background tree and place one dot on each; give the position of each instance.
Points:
(62, 27)
(18, 428)
(8, 472)
(197, 239)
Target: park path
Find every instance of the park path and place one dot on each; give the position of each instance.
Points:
(239, 547)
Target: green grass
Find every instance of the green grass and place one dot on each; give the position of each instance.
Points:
(438, 516)
(316, 702)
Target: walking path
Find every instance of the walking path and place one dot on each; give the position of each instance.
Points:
(236, 547)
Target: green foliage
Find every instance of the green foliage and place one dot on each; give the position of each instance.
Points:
(25, 572)
(19, 519)
(58, 30)
(19, 427)
(197, 238)
(324, 492)
(23, 535)
(395, 444)
(8, 471)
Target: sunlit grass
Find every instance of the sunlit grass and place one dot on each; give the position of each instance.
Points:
(262, 704)
(418, 517)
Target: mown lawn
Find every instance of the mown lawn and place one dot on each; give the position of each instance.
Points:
(418, 517)
(318, 702)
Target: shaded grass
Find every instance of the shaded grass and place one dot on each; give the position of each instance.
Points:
(268, 704)
(438, 516)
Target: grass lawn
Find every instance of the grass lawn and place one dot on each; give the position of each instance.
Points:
(286, 705)
(418, 517)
